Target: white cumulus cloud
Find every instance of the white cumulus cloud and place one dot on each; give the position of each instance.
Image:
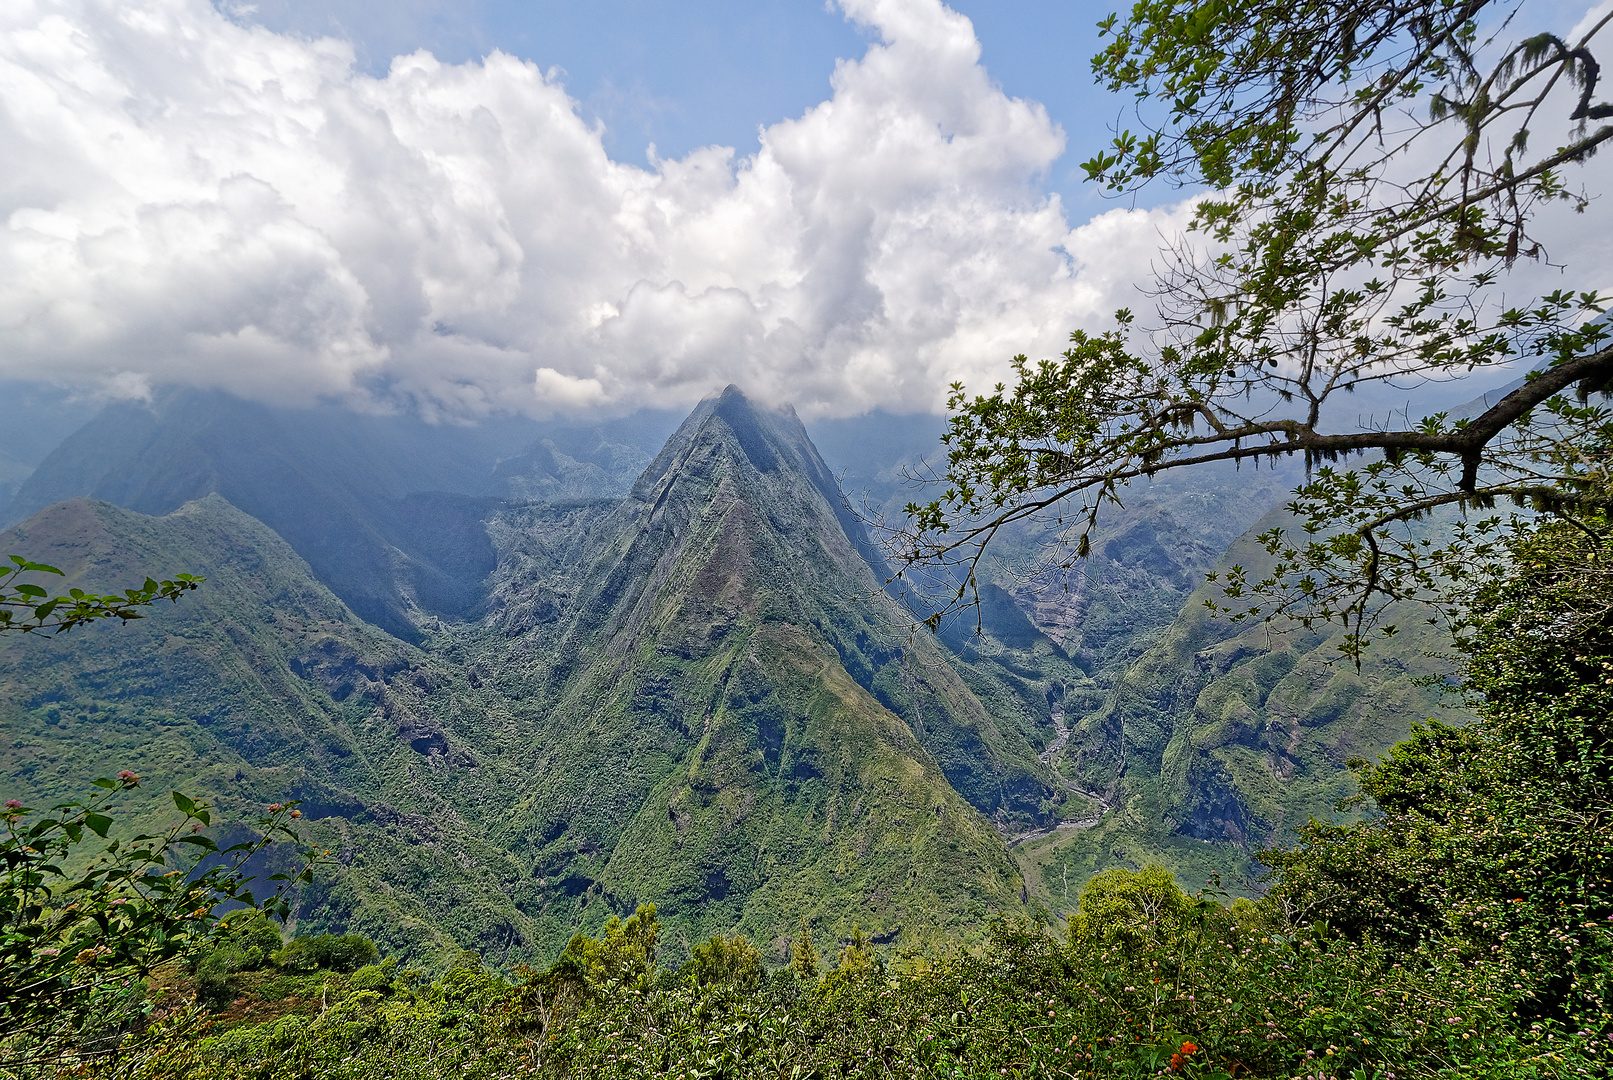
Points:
(192, 199)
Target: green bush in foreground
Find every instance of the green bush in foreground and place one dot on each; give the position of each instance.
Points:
(78, 941)
(1219, 992)
(345, 952)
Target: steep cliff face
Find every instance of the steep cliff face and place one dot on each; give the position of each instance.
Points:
(738, 726)
(1222, 737)
(693, 695)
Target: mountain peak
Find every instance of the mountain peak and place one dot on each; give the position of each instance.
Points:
(733, 397)
(769, 439)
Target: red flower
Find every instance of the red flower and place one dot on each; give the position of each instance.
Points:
(128, 777)
(1179, 1058)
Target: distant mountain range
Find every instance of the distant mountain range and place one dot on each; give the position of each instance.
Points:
(386, 510)
(527, 675)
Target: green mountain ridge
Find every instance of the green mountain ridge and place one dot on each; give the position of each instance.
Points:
(675, 697)
(387, 510)
(689, 689)
(722, 626)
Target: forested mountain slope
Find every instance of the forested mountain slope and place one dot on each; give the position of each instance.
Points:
(685, 696)
(386, 510)
(1222, 738)
(725, 696)
(262, 686)
(687, 687)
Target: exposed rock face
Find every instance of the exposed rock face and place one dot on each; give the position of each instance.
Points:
(1148, 555)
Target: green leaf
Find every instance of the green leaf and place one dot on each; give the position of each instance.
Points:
(199, 841)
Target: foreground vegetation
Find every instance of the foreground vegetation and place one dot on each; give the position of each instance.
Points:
(1463, 929)
(1149, 982)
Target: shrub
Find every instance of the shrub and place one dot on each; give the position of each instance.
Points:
(731, 961)
(376, 977)
(624, 954)
(1133, 909)
(346, 952)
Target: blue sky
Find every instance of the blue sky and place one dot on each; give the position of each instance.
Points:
(685, 75)
(450, 208)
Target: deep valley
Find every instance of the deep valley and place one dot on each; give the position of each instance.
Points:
(524, 678)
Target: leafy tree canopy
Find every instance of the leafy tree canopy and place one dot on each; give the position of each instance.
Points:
(76, 942)
(1373, 172)
(730, 961)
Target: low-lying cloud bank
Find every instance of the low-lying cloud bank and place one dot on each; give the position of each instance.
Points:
(192, 199)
